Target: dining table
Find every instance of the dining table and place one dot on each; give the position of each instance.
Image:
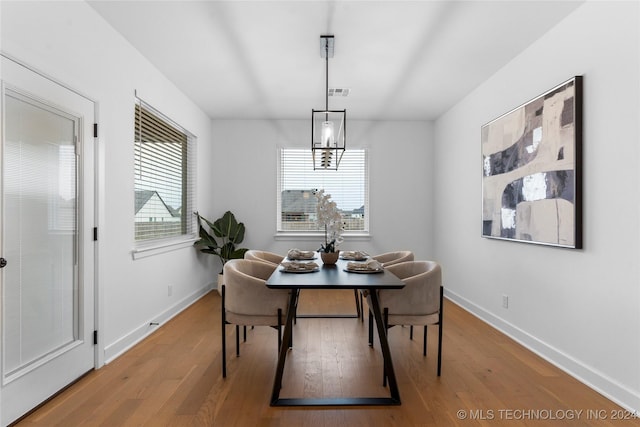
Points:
(336, 276)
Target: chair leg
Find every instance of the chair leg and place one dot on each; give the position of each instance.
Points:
(370, 329)
(224, 338)
(440, 318)
(361, 308)
(237, 341)
(410, 332)
(245, 334)
(386, 330)
(358, 311)
(424, 341)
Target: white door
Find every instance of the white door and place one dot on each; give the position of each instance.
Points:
(46, 238)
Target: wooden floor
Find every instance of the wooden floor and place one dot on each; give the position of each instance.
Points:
(173, 378)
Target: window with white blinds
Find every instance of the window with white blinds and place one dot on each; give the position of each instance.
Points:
(164, 177)
(348, 186)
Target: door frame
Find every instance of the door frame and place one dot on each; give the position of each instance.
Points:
(98, 155)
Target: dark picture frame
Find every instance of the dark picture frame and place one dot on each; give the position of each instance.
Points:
(532, 170)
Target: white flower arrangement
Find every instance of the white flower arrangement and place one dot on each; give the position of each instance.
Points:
(330, 217)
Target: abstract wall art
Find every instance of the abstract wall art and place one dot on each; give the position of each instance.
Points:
(531, 170)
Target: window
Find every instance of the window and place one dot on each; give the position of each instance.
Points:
(164, 177)
(348, 186)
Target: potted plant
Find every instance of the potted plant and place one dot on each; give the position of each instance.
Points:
(229, 231)
(329, 218)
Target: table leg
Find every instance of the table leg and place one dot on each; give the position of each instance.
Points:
(384, 344)
(347, 401)
(284, 347)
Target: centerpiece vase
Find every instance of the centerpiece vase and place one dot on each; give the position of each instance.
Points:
(329, 258)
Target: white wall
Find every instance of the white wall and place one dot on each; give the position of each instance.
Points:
(578, 308)
(72, 44)
(401, 162)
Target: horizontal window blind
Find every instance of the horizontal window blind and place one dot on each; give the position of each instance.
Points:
(348, 187)
(164, 177)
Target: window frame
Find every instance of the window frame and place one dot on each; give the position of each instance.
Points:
(188, 227)
(349, 235)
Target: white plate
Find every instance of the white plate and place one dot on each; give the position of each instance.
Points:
(352, 258)
(380, 270)
(285, 270)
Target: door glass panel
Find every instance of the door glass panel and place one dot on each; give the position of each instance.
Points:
(40, 298)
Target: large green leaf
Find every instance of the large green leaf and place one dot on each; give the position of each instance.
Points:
(209, 223)
(238, 253)
(238, 235)
(226, 250)
(206, 239)
(229, 231)
(228, 228)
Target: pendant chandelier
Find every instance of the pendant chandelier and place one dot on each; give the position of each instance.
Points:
(328, 127)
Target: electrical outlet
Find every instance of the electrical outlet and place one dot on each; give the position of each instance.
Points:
(505, 301)
(169, 290)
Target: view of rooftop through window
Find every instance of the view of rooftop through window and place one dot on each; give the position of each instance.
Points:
(163, 177)
(347, 186)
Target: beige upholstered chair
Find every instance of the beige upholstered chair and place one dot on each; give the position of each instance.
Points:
(255, 255)
(390, 258)
(265, 256)
(269, 257)
(247, 301)
(387, 259)
(418, 303)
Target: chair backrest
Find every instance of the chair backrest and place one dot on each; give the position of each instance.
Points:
(246, 292)
(257, 255)
(421, 294)
(390, 258)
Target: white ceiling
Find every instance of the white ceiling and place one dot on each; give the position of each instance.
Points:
(402, 60)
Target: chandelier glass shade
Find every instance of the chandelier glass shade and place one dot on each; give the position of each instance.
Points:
(328, 144)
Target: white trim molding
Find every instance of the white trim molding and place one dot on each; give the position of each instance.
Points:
(612, 390)
(119, 347)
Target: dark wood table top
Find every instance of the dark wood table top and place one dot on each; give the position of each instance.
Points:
(333, 277)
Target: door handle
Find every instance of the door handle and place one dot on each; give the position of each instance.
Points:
(3, 262)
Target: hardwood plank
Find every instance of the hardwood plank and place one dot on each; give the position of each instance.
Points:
(173, 378)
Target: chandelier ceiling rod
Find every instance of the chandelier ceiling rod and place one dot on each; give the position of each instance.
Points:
(326, 92)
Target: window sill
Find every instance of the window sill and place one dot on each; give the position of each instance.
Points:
(144, 251)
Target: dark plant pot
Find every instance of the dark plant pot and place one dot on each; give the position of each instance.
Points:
(329, 258)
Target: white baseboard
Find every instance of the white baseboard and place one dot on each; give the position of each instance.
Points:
(609, 388)
(114, 350)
